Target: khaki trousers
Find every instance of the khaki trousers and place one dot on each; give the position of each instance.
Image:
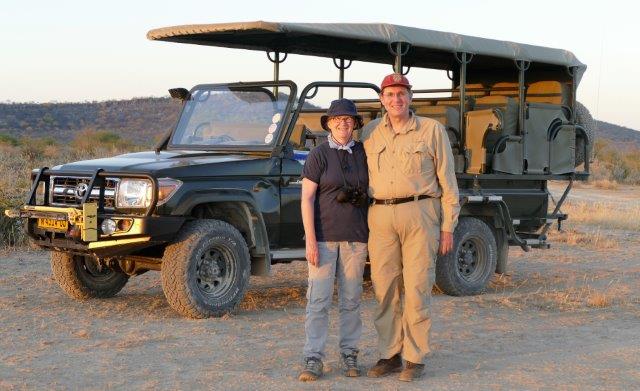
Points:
(403, 245)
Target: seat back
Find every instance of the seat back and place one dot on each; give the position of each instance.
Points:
(552, 92)
(311, 120)
(480, 125)
(472, 86)
(298, 138)
(507, 105)
(505, 88)
(542, 122)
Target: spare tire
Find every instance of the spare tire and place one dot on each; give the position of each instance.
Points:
(584, 119)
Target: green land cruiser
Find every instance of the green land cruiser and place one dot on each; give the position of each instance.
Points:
(219, 198)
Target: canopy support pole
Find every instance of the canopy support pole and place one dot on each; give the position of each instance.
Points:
(574, 85)
(341, 67)
(399, 49)
(463, 59)
(276, 60)
(522, 68)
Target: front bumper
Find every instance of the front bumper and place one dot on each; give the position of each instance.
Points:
(82, 232)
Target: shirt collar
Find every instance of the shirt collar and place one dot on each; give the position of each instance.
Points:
(411, 125)
(333, 144)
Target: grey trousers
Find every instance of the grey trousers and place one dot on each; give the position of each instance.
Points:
(348, 258)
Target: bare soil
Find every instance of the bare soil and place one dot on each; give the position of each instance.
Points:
(563, 318)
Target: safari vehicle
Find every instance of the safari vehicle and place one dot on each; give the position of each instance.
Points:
(219, 198)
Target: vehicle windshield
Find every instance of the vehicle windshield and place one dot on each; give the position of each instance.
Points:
(231, 116)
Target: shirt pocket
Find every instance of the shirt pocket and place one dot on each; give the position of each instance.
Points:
(414, 158)
(373, 157)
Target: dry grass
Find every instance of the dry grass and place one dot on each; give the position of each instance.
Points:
(595, 240)
(571, 298)
(604, 215)
(605, 184)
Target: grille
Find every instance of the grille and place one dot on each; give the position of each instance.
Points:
(63, 191)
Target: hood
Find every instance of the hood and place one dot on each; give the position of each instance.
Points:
(177, 164)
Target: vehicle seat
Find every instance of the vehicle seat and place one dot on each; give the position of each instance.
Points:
(298, 138)
(472, 86)
(548, 143)
(507, 105)
(506, 88)
(483, 129)
(311, 120)
(504, 109)
(449, 117)
(552, 92)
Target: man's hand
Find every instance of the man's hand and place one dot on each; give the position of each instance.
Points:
(312, 252)
(446, 243)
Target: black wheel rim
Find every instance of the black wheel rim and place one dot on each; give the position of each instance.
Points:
(471, 260)
(214, 272)
(90, 269)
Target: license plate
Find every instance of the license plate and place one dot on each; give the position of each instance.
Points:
(53, 224)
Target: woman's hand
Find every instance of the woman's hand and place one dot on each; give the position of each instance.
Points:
(312, 252)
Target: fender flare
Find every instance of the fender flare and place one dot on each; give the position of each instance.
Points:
(260, 254)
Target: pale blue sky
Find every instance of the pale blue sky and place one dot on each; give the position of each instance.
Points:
(83, 50)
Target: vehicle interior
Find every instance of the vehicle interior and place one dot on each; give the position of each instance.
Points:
(491, 121)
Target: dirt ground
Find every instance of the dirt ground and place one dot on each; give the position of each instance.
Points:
(563, 318)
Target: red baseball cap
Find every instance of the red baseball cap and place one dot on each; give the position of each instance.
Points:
(395, 79)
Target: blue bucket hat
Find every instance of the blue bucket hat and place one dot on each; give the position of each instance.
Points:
(341, 107)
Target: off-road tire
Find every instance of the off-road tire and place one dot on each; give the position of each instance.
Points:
(187, 276)
(584, 119)
(80, 278)
(473, 241)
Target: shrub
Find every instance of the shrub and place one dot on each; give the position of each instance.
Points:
(8, 140)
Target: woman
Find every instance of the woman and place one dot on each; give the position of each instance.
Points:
(334, 209)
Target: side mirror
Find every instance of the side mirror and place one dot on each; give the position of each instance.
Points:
(180, 93)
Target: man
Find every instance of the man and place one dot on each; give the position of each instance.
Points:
(413, 216)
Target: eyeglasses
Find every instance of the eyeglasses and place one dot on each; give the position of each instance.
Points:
(346, 119)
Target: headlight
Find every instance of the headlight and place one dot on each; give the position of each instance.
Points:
(167, 188)
(134, 193)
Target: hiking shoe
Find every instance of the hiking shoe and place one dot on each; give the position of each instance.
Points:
(386, 366)
(312, 369)
(350, 365)
(411, 371)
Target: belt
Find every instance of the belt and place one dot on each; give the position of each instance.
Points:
(393, 201)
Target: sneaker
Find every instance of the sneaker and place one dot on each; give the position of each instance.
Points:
(386, 366)
(350, 365)
(411, 371)
(312, 369)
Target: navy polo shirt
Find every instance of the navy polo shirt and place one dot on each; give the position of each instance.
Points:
(335, 221)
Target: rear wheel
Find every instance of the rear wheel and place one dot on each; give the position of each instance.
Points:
(468, 268)
(81, 277)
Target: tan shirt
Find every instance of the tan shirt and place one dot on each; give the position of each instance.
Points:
(412, 161)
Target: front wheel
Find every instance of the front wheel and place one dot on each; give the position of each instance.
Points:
(205, 272)
(467, 269)
(81, 277)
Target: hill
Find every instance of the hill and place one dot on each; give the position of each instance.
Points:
(143, 120)
(621, 136)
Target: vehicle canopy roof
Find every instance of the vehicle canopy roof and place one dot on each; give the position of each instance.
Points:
(370, 42)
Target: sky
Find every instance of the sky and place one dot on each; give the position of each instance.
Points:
(76, 51)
